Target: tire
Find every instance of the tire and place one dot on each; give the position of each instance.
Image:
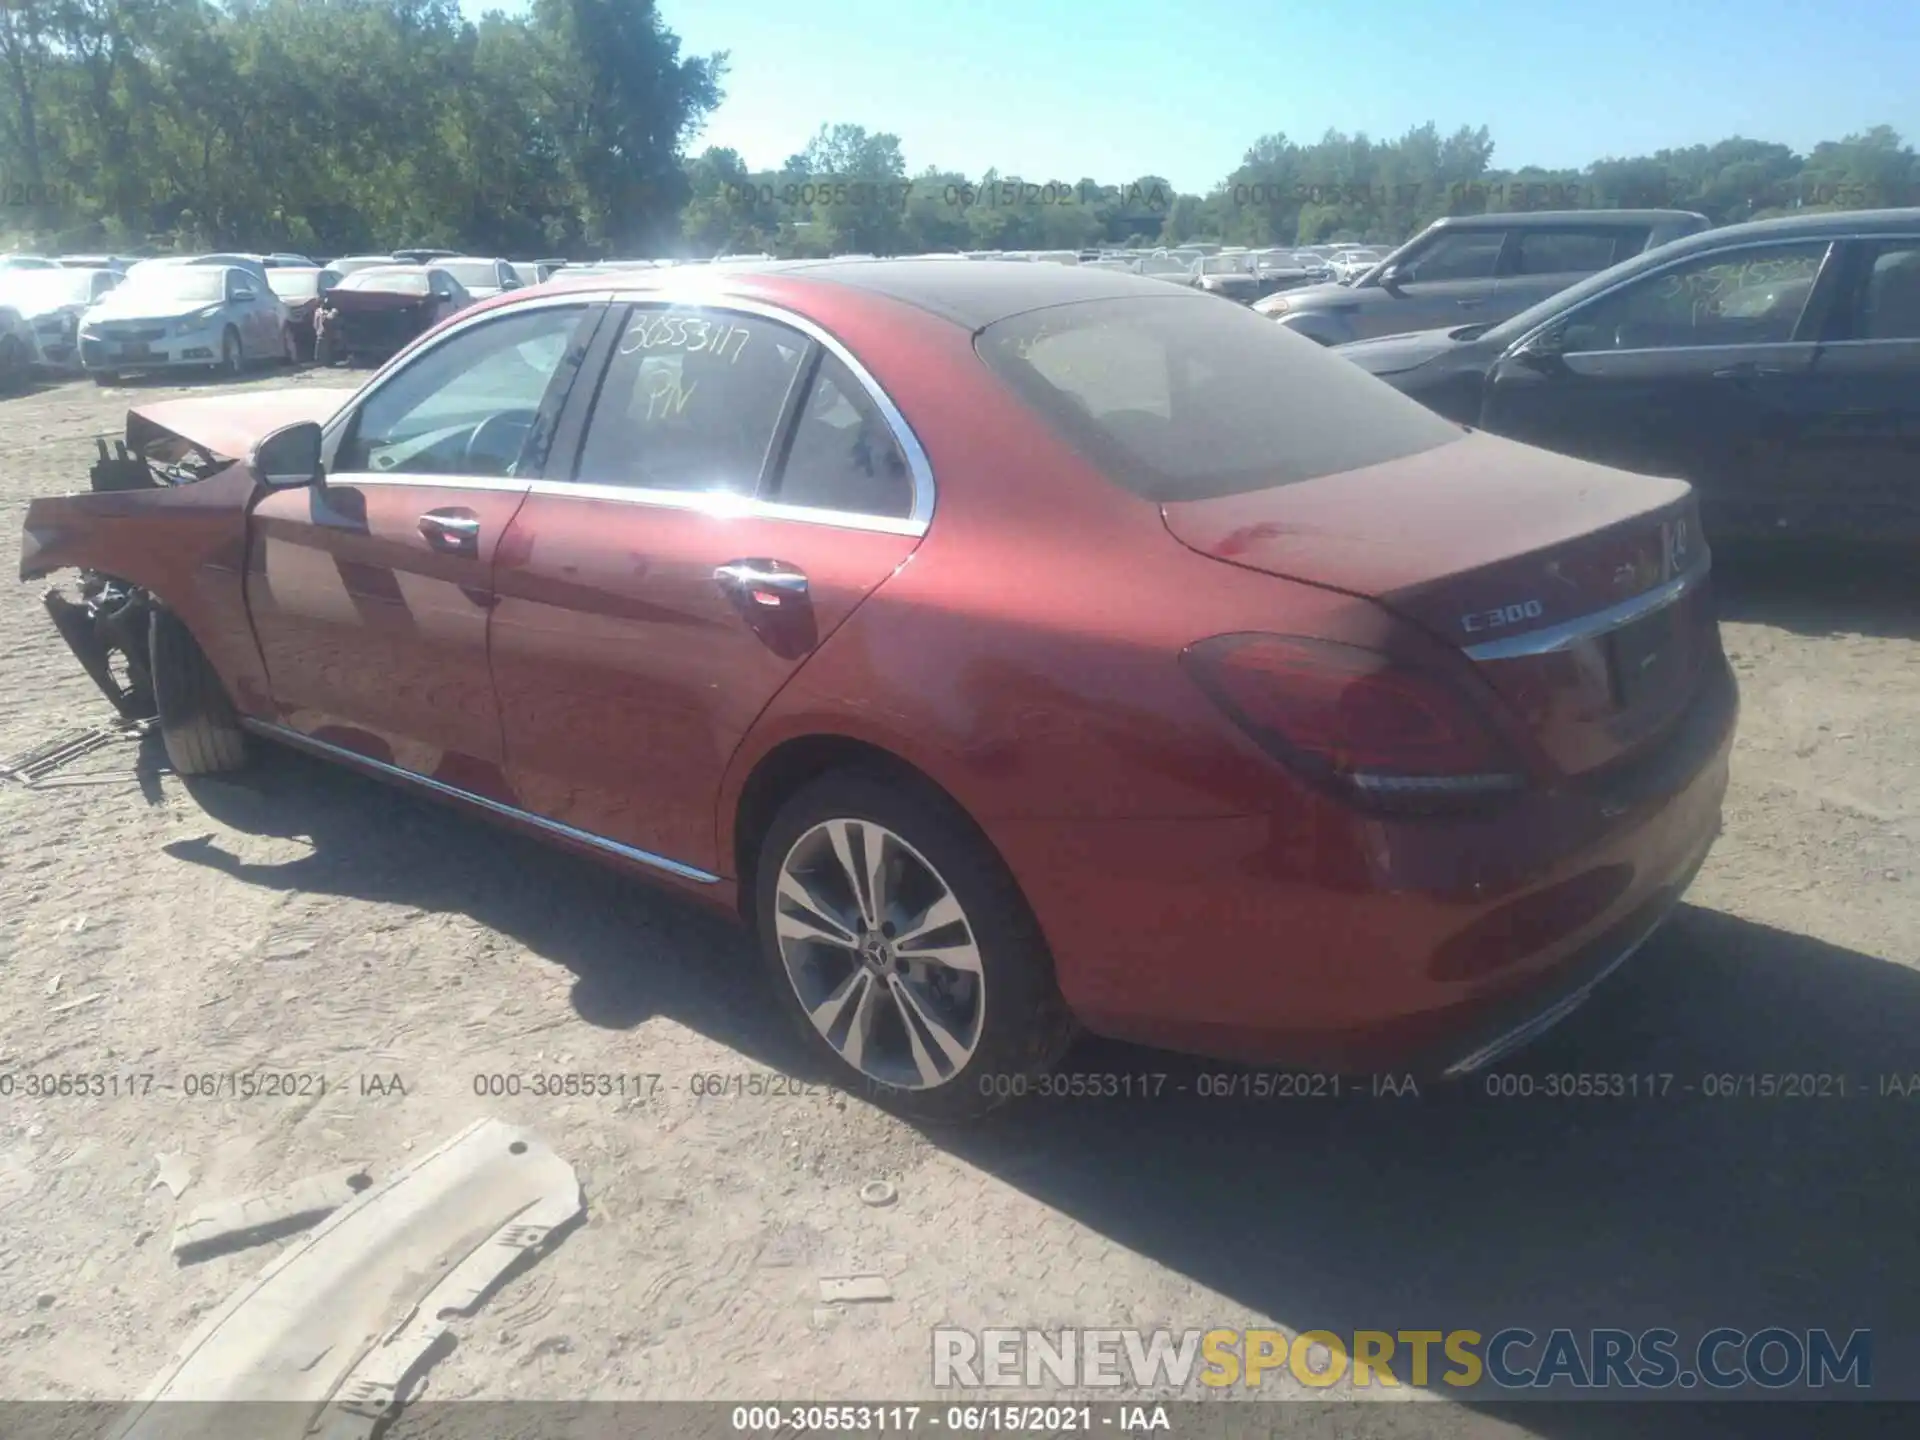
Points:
(14, 363)
(289, 347)
(232, 356)
(197, 720)
(106, 377)
(1003, 996)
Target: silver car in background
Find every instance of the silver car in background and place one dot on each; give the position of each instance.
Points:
(481, 278)
(52, 302)
(218, 316)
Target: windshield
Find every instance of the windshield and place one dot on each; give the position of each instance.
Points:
(471, 273)
(32, 290)
(188, 284)
(294, 284)
(1183, 398)
(400, 282)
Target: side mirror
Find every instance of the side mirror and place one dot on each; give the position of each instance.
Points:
(443, 295)
(1394, 276)
(1542, 350)
(289, 457)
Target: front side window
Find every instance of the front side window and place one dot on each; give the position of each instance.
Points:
(1181, 398)
(843, 455)
(1752, 296)
(1456, 255)
(466, 406)
(1890, 306)
(690, 401)
(1568, 252)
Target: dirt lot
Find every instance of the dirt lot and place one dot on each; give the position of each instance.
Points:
(303, 919)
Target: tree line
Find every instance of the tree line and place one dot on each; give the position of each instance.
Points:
(340, 125)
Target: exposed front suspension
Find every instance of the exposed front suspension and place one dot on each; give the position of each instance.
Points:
(107, 631)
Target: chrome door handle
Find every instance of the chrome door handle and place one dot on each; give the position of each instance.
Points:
(1747, 371)
(1469, 304)
(450, 530)
(764, 582)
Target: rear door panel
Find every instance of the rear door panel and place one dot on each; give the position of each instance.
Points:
(627, 673)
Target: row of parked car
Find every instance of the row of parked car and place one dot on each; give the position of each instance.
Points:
(108, 316)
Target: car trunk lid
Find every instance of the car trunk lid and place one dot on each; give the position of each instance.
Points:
(1577, 591)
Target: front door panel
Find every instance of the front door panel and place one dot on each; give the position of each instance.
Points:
(373, 624)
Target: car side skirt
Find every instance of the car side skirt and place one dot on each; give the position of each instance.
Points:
(513, 814)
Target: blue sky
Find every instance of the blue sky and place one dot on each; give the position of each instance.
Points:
(1180, 88)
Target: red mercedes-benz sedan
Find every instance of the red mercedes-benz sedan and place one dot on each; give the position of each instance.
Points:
(1016, 647)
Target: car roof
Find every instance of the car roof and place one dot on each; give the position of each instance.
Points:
(1530, 219)
(974, 296)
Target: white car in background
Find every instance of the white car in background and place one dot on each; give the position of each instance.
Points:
(481, 278)
(52, 302)
(217, 316)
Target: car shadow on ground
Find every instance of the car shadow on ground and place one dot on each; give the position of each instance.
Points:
(1820, 590)
(1705, 1202)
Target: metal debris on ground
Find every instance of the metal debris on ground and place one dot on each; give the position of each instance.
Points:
(341, 1326)
(254, 1219)
(847, 1288)
(175, 1173)
(32, 767)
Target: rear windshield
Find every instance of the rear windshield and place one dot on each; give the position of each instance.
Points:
(294, 284)
(1184, 398)
(399, 282)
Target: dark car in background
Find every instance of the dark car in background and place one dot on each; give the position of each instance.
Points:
(373, 313)
(1464, 268)
(1775, 365)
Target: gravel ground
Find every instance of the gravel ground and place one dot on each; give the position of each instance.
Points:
(302, 919)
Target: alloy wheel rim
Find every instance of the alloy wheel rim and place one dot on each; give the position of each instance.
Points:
(880, 954)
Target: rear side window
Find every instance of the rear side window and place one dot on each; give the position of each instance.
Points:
(1455, 255)
(1569, 252)
(1890, 308)
(1183, 398)
(843, 455)
(691, 401)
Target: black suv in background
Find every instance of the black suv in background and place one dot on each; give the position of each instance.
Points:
(1476, 268)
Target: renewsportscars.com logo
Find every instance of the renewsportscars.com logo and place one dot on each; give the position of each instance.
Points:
(1369, 1360)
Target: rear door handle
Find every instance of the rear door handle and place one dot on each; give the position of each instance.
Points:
(452, 531)
(1469, 304)
(1747, 371)
(769, 583)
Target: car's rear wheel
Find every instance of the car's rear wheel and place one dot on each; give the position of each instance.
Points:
(231, 357)
(290, 347)
(197, 720)
(903, 950)
(106, 377)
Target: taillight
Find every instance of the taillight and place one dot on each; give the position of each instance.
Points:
(1378, 732)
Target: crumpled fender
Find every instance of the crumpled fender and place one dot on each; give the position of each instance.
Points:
(187, 544)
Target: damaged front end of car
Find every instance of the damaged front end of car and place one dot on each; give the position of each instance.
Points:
(162, 524)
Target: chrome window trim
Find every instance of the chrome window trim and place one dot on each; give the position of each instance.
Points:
(727, 505)
(540, 822)
(357, 478)
(1569, 633)
(1654, 270)
(915, 522)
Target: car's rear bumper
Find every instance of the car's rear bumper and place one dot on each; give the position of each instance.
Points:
(1331, 941)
